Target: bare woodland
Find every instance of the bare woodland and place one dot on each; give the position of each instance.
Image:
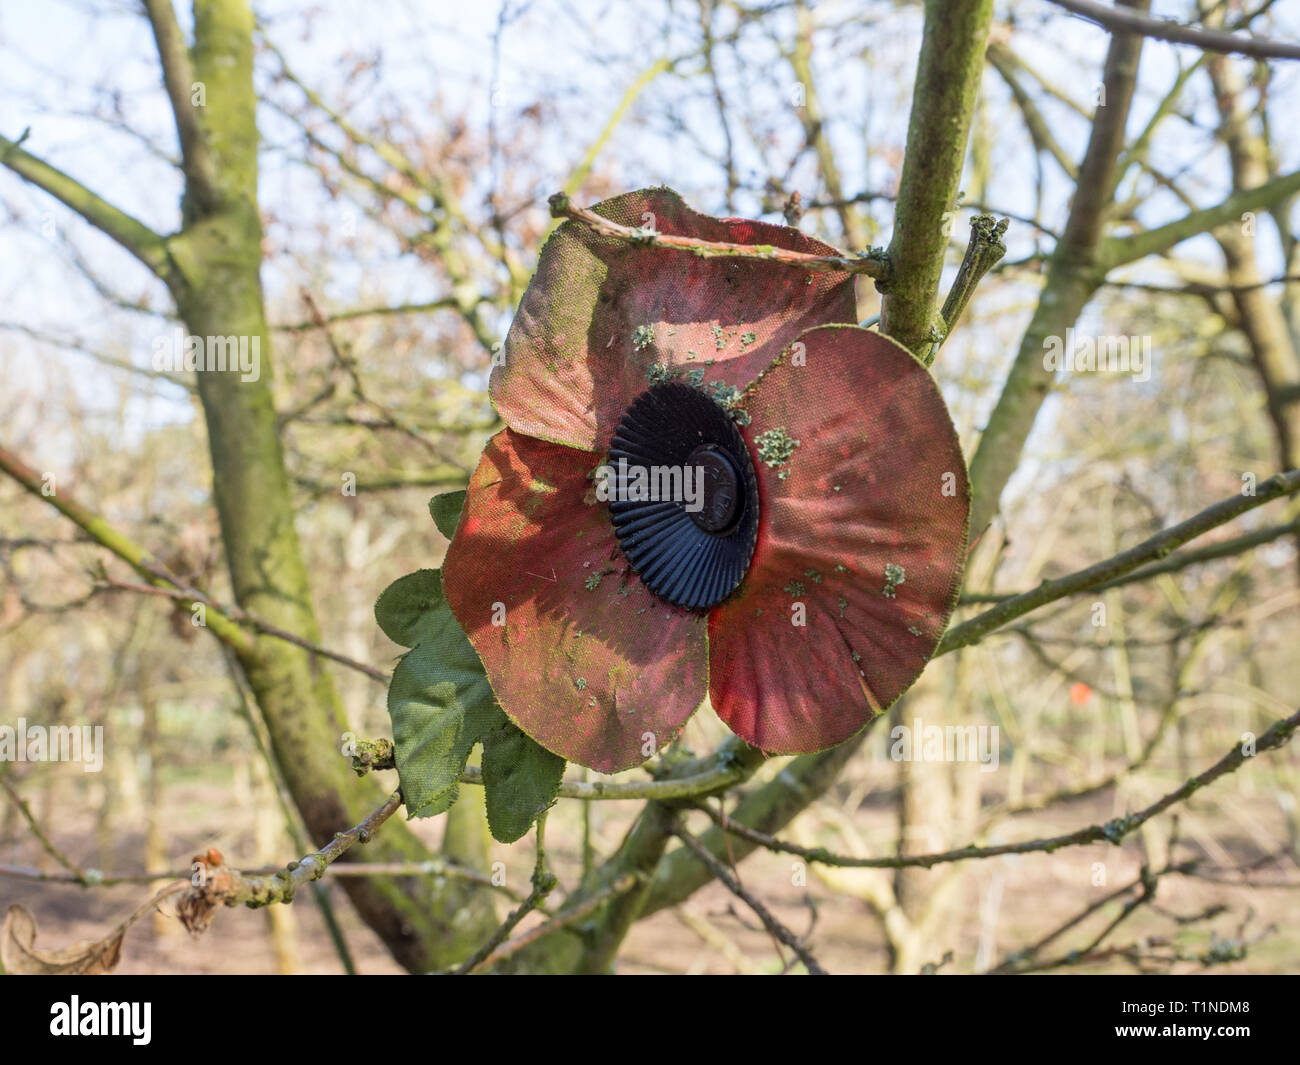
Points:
(190, 560)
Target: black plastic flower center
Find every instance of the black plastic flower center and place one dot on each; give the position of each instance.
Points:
(720, 492)
(683, 496)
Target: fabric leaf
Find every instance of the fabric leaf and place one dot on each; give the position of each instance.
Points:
(445, 510)
(521, 779)
(403, 608)
(441, 705)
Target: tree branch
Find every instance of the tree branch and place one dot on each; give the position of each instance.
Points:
(1116, 20)
(226, 622)
(1072, 279)
(544, 882)
(868, 265)
(1089, 579)
(132, 234)
(579, 173)
(1174, 563)
(104, 534)
(619, 886)
(1007, 63)
(732, 763)
(189, 596)
(779, 931)
(1117, 251)
(983, 252)
(948, 76)
(1114, 831)
(771, 807)
(74, 872)
(1225, 549)
(178, 79)
(221, 885)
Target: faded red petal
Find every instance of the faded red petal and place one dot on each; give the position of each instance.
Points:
(574, 359)
(587, 672)
(864, 491)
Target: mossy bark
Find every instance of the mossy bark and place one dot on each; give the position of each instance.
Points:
(212, 267)
(948, 77)
(1074, 274)
(218, 292)
(1261, 317)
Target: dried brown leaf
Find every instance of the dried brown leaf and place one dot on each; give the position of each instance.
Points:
(20, 955)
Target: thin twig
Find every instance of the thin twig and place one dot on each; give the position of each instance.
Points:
(1119, 20)
(563, 919)
(717, 772)
(774, 927)
(1113, 831)
(872, 265)
(76, 873)
(229, 624)
(241, 616)
(1149, 550)
(544, 882)
(983, 252)
(230, 887)
(439, 867)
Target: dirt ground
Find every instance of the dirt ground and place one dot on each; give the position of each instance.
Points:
(995, 906)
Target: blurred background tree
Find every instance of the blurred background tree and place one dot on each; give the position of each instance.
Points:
(368, 198)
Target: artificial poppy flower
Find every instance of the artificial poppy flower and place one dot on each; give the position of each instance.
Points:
(805, 584)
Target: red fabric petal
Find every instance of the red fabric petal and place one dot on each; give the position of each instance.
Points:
(586, 671)
(600, 312)
(864, 492)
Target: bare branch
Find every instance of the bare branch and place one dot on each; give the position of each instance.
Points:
(178, 79)
(1149, 550)
(228, 623)
(544, 882)
(74, 871)
(133, 235)
(868, 265)
(983, 252)
(579, 173)
(1113, 831)
(1116, 19)
(1117, 251)
(619, 886)
(732, 763)
(189, 596)
(779, 931)
(948, 76)
(221, 885)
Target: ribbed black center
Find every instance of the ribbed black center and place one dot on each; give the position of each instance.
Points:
(684, 503)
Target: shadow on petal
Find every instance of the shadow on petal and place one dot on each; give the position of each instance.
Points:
(580, 655)
(862, 540)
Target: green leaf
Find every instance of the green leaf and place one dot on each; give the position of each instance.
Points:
(445, 510)
(441, 705)
(403, 608)
(521, 779)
